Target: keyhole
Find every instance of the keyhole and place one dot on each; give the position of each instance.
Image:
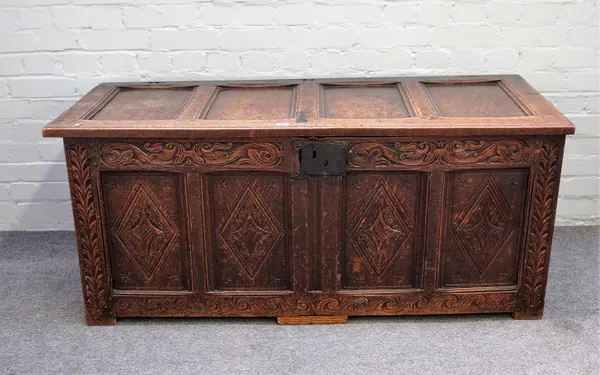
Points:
(326, 162)
(314, 154)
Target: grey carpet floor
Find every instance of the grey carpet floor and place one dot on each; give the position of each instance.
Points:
(42, 329)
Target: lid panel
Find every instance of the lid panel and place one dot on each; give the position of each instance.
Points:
(252, 103)
(362, 102)
(144, 104)
(478, 99)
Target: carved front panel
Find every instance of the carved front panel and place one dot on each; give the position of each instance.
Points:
(382, 230)
(249, 231)
(484, 217)
(144, 220)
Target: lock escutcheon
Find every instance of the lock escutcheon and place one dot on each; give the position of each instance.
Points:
(323, 159)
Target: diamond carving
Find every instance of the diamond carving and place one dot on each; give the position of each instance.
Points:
(250, 231)
(381, 229)
(484, 227)
(144, 230)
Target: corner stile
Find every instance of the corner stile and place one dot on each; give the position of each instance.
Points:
(88, 226)
(544, 197)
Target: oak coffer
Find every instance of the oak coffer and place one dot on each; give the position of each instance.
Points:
(313, 200)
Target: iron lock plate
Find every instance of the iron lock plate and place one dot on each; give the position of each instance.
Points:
(323, 159)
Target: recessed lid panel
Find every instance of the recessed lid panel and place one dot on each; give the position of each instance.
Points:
(362, 102)
(252, 103)
(144, 104)
(484, 99)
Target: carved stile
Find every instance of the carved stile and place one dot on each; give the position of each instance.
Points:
(87, 221)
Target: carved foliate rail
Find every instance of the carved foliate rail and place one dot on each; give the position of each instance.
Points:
(453, 152)
(311, 304)
(229, 155)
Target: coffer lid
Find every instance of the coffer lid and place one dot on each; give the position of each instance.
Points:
(418, 106)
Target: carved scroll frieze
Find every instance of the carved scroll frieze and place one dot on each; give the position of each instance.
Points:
(538, 247)
(453, 152)
(233, 155)
(312, 304)
(87, 221)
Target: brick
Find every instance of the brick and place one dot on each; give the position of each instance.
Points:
(593, 104)
(581, 12)
(175, 40)
(469, 13)
(51, 151)
(535, 14)
(48, 109)
(434, 14)
(28, 130)
(35, 172)
(365, 14)
(400, 13)
(536, 59)
(5, 131)
(154, 62)
(467, 60)
(254, 39)
(546, 81)
(41, 87)
(224, 61)
(327, 61)
(41, 64)
(141, 17)
(323, 38)
(105, 18)
(258, 61)
(22, 153)
(70, 17)
(3, 89)
(51, 40)
(8, 214)
(5, 151)
(547, 36)
(586, 126)
(9, 20)
(583, 81)
(4, 193)
(39, 18)
(293, 61)
(28, 191)
(576, 58)
(580, 166)
(569, 104)
(502, 59)
(578, 207)
(184, 61)
(11, 66)
(467, 36)
(394, 60)
(335, 14)
(17, 42)
(361, 60)
(178, 15)
(118, 63)
(380, 37)
(43, 215)
(224, 14)
(294, 14)
(14, 109)
(432, 59)
(79, 63)
(582, 146)
(579, 186)
(32, 3)
(504, 13)
(115, 40)
(584, 36)
(8, 172)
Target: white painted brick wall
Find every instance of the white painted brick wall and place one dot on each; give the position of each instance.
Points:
(53, 51)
